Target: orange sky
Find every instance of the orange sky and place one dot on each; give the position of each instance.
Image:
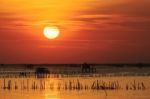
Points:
(93, 31)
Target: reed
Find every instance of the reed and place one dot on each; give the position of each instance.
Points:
(71, 85)
(135, 86)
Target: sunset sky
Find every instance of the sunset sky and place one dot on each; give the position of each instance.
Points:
(93, 31)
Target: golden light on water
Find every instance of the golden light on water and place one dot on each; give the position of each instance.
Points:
(51, 32)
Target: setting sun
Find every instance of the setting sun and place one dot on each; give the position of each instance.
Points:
(51, 32)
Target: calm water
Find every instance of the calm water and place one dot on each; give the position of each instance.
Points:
(128, 87)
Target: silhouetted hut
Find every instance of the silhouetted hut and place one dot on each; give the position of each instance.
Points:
(42, 72)
(87, 68)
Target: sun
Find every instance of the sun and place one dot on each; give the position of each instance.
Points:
(51, 32)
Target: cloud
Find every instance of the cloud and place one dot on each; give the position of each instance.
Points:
(128, 7)
(9, 21)
(92, 18)
(127, 13)
(117, 21)
(134, 25)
